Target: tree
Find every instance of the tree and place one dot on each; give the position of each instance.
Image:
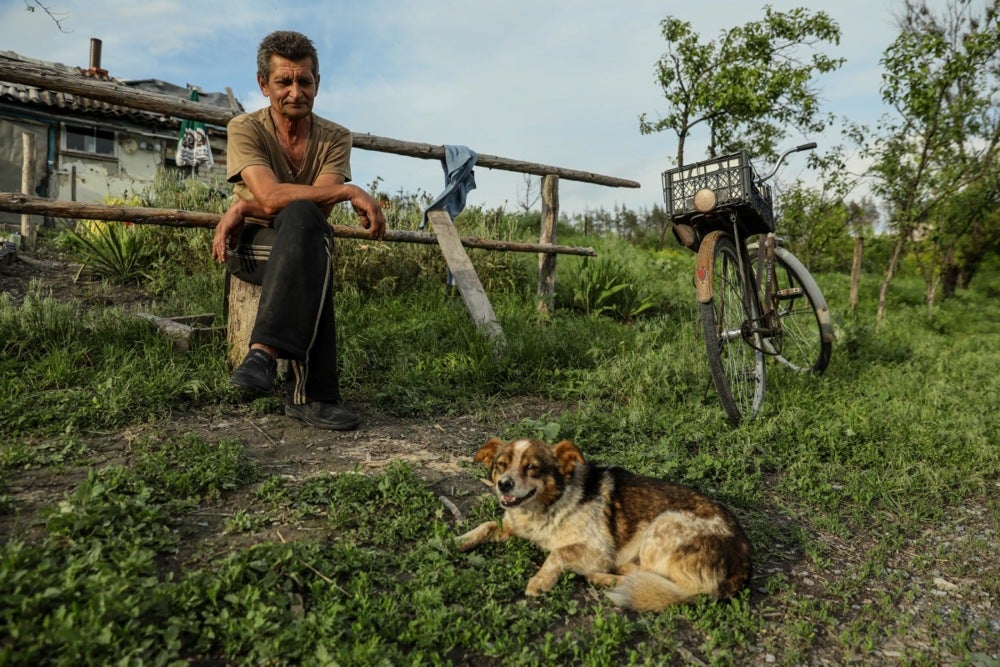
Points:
(749, 86)
(532, 192)
(821, 230)
(942, 82)
(970, 228)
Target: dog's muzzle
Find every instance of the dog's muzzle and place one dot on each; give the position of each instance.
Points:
(504, 487)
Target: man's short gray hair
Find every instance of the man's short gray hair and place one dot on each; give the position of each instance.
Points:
(286, 44)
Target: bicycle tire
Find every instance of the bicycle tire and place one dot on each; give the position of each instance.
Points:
(807, 329)
(734, 349)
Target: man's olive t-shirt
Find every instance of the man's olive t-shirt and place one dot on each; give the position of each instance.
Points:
(251, 140)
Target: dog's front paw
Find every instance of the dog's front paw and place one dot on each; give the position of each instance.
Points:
(539, 584)
(486, 532)
(470, 540)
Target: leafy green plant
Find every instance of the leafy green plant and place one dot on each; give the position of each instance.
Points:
(190, 467)
(113, 250)
(244, 521)
(605, 287)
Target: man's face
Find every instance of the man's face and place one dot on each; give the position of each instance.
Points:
(291, 87)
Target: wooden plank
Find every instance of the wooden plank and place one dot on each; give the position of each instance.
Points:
(185, 331)
(469, 285)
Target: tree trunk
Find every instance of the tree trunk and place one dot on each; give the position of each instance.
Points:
(890, 271)
(241, 313)
(931, 296)
(950, 282)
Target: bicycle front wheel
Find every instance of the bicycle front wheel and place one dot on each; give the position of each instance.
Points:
(733, 344)
(806, 328)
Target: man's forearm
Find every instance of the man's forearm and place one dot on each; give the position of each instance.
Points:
(249, 208)
(324, 196)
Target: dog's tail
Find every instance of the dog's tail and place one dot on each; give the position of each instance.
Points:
(649, 591)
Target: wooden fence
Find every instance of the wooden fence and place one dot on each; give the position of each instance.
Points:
(27, 73)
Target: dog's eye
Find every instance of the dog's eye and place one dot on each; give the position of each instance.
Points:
(531, 467)
(500, 466)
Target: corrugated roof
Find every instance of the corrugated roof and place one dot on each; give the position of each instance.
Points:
(53, 100)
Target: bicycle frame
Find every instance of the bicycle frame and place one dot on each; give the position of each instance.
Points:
(767, 297)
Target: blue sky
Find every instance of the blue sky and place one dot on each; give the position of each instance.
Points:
(560, 82)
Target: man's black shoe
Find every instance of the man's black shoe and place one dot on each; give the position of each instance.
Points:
(331, 416)
(256, 373)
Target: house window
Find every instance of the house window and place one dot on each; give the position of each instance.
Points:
(90, 140)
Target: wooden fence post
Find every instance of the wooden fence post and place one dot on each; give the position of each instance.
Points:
(27, 187)
(859, 243)
(547, 261)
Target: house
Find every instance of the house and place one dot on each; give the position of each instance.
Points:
(87, 149)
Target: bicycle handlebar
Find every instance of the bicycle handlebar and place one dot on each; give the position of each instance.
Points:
(777, 165)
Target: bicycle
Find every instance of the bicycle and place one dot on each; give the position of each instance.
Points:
(756, 299)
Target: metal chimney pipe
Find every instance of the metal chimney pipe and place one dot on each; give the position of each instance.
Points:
(95, 54)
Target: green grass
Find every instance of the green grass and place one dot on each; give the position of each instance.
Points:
(858, 489)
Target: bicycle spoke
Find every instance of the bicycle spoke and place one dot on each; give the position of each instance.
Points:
(736, 362)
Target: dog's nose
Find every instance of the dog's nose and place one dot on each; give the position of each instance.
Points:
(505, 484)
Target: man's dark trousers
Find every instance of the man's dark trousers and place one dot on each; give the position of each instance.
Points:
(292, 262)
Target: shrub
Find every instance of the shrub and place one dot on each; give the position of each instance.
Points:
(113, 250)
(618, 284)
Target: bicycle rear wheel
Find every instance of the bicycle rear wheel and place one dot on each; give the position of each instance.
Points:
(807, 330)
(733, 345)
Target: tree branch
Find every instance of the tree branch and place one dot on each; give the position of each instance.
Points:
(57, 17)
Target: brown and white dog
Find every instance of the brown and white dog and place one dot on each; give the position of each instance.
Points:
(657, 543)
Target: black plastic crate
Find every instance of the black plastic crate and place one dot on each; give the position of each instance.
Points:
(731, 177)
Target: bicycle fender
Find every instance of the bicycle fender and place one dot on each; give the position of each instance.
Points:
(809, 283)
(703, 267)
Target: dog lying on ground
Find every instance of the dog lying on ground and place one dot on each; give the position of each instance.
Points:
(657, 543)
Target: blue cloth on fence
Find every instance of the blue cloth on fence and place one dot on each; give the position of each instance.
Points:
(458, 181)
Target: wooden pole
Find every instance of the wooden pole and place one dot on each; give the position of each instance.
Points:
(27, 187)
(20, 203)
(859, 243)
(24, 72)
(547, 261)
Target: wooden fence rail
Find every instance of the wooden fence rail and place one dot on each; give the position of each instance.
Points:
(16, 202)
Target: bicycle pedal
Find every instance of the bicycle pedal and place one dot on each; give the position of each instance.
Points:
(789, 293)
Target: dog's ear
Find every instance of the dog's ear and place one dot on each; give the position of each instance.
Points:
(568, 456)
(488, 451)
